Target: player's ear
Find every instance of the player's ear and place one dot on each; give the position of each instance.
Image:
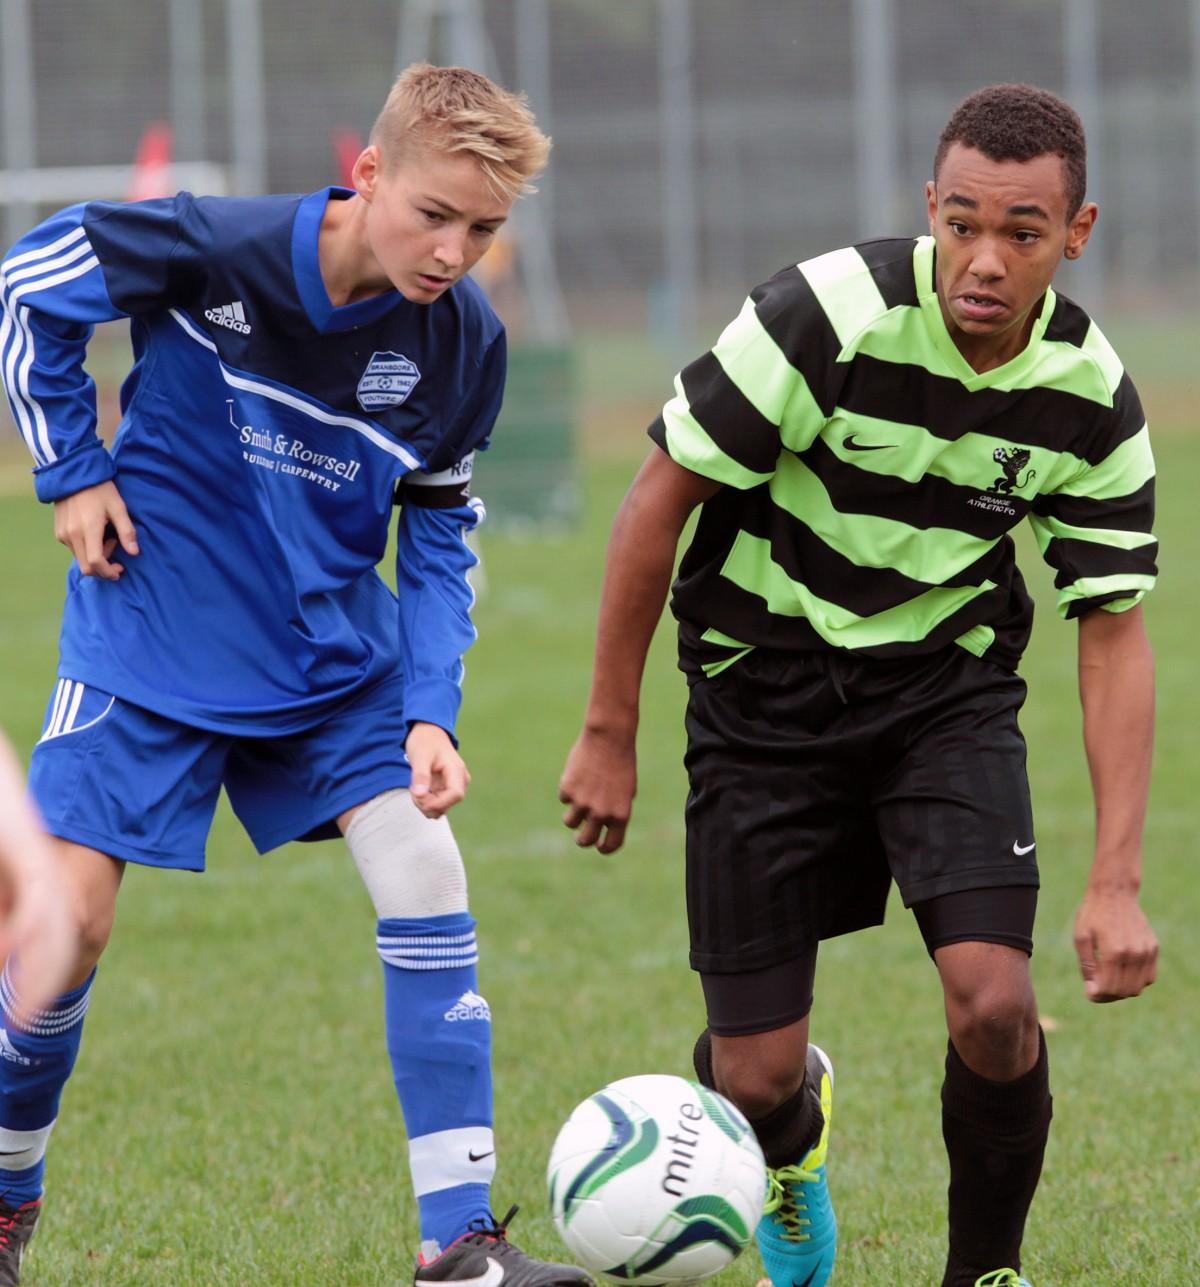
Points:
(931, 202)
(365, 173)
(1080, 229)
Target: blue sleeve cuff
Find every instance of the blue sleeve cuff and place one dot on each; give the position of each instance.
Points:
(433, 701)
(84, 467)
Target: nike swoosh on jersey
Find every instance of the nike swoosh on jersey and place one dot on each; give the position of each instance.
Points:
(849, 442)
(1023, 849)
(492, 1278)
(478, 1157)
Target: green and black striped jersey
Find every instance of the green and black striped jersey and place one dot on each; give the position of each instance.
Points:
(873, 477)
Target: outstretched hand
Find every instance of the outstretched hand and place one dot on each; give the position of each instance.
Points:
(439, 774)
(598, 785)
(1118, 950)
(91, 524)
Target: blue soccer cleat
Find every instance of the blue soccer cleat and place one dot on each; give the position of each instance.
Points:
(797, 1234)
(1003, 1278)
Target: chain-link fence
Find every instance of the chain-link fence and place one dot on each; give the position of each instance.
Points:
(698, 142)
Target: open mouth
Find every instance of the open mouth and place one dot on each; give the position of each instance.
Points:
(980, 307)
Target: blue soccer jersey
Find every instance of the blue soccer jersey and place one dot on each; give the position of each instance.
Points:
(265, 436)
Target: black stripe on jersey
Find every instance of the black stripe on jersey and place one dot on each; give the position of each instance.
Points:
(792, 316)
(1078, 607)
(745, 616)
(1075, 559)
(1132, 513)
(891, 263)
(831, 576)
(931, 502)
(449, 496)
(1038, 416)
(729, 418)
(1069, 324)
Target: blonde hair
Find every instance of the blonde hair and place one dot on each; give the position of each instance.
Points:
(454, 109)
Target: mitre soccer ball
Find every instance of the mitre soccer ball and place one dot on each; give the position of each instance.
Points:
(656, 1179)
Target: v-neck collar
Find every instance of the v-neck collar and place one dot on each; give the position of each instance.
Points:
(924, 259)
(306, 266)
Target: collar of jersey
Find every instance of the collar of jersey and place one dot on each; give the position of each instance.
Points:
(307, 268)
(1011, 373)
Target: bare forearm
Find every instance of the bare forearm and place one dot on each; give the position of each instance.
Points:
(1116, 685)
(641, 557)
(637, 577)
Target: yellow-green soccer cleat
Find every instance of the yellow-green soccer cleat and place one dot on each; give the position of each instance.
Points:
(797, 1234)
(1003, 1278)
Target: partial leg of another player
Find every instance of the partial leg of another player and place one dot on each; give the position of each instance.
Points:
(37, 1058)
(996, 1104)
(439, 1040)
(758, 1055)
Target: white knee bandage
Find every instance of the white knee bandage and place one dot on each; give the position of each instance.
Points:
(409, 863)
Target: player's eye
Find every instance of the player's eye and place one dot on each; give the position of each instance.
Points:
(434, 216)
(481, 230)
(1026, 237)
(959, 228)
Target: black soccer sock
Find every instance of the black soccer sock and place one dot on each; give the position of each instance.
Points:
(995, 1135)
(786, 1133)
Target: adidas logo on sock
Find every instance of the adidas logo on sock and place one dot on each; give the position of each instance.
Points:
(232, 316)
(13, 1055)
(469, 1006)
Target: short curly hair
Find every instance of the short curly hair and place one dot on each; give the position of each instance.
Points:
(1019, 123)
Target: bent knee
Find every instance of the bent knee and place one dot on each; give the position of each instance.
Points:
(410, 864)
(754, 1077)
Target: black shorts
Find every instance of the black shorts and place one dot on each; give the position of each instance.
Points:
(818, 778)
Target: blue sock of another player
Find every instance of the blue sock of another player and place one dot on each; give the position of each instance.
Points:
(35, 1062)
(439, 1037)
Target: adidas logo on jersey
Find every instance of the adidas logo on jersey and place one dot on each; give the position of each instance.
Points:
(469, 1006)
(14, 1056)
(231, 316)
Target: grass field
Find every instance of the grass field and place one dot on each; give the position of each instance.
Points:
(232, 1120)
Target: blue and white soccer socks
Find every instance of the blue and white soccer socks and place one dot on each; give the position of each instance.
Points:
(439, 1037)
(35, 1062)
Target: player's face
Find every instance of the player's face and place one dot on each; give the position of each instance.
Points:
(1001, 229)
(430, 217)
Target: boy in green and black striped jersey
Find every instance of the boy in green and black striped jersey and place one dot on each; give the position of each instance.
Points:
(862, 440)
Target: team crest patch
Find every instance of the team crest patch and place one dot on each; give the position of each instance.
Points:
(387, 381)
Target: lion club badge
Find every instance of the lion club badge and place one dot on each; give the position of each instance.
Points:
(387, 381)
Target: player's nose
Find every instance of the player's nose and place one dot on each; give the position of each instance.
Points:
(987, 263)
(451, 250)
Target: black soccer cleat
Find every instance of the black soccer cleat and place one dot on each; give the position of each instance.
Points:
(16, 1228)
(484, 1257)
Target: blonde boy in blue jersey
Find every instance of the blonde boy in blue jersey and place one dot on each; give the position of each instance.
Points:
(302, 366)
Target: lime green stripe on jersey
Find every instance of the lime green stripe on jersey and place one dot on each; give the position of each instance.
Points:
(690, 445)
(750, 566)
(752, 360)
(713, 668)
(1126, 468)
(1102, 353)
(931, 556)
(977, 640)
(846, 291)
(1049, 529)
(1093, 587)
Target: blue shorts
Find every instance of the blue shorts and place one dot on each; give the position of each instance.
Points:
(138, 786)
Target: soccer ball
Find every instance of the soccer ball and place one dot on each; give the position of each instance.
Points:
(656, 1179)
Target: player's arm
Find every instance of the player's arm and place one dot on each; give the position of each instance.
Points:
(1118, 952)
(1096, 531)
(433, 562)
(87, 264)
(600, 778)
